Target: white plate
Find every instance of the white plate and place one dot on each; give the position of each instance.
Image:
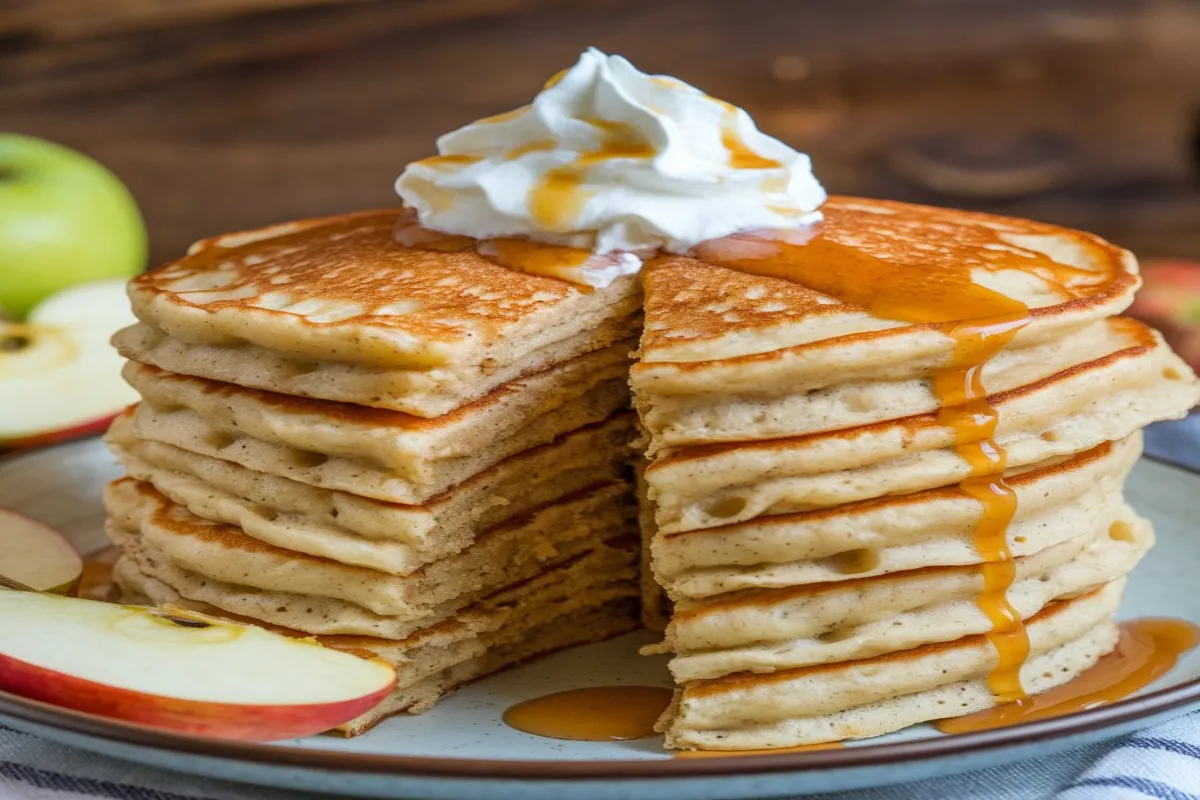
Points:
(462, 749)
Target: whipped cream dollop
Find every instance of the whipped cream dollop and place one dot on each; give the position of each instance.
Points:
(612, 160)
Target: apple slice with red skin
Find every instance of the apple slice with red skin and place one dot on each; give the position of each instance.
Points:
(94, 428)
(179, 670)
(59, 376)
(37, 555)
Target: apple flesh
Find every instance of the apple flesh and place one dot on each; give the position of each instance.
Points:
(59, 376)
(181, 671)
(64, 220)
(37, 555)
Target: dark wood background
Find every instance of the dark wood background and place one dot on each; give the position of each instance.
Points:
(224, 114)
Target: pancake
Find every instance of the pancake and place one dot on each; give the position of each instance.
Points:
(932, 528)
(1111, 353)
(345, 452)
(350, 529)
(706, 325)
(501, 631)
(405, 445)
(711, 485)
(335, 308)
(874, 462)
(769, 630)
(873, 696)
(884, 456)
(219, 565)
(656, 605)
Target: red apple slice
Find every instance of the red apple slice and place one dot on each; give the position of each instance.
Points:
(186, 672)
(36, 554)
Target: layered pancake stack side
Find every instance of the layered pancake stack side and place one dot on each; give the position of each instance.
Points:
(877, 473)
(421, 455)
(886, 469)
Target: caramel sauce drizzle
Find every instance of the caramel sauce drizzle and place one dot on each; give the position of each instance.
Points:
(557, 200)
(944, 293)
(555, 204)
(449, 160)
(532, 147)
(959, 387)
(740, 154)
(1147, 650)
(596, 714)
(536, 258)
(555, 79)
(553, 261)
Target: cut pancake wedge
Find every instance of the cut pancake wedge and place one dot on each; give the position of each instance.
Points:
(870, 697)
(403, 444)
(360, 474)
(350, 529)
(335, 308)
(219, 565)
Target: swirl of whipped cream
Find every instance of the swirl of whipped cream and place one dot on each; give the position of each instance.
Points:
(610, 159)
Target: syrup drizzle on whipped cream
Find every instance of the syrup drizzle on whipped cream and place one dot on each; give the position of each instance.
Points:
(609, 161)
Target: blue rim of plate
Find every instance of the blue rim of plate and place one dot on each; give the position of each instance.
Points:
(868, 755)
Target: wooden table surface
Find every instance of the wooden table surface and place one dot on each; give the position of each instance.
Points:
(225, 114)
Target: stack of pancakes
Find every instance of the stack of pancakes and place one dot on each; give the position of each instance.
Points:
(419, 454)
(853, 542)
(883, 485)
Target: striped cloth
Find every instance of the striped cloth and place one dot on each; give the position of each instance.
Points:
(1162, 762)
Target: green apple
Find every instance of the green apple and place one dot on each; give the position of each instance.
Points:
(64, 219)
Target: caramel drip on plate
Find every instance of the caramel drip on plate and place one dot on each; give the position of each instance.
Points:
(1148, 649)
(96, 583)
(597, 714)
(942, 292)
(804, 748)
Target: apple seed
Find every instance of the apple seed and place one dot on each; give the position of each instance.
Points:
(15, 343)
(184, 623)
